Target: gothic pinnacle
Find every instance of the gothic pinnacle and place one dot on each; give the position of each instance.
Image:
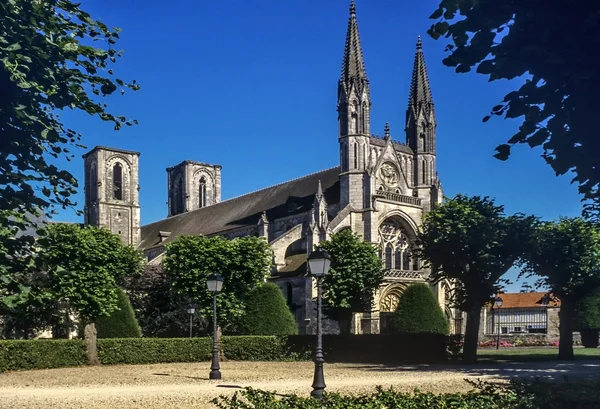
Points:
(386, 130)
(419, 43)
(352, 8)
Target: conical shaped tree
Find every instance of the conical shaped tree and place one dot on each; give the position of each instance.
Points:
(267, 313)
(419, 312)
(120, 323)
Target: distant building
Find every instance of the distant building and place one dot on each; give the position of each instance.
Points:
(522, 313)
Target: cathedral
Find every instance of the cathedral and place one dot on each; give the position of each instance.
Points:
(381, 190)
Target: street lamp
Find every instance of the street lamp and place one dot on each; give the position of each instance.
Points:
(191, 309)
(498, 303)
(318, 263)
(214, 284)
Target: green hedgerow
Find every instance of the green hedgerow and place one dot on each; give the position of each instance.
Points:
(267, 313)
(419, 312)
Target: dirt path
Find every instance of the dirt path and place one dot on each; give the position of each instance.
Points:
(187, 386)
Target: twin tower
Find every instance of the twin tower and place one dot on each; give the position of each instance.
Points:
(111, 175)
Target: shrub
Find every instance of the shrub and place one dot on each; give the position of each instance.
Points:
(121, 323)
(153, 350)
(267, 313)
(419, 312)
(41, 354)
(536, 395)
(589, 312)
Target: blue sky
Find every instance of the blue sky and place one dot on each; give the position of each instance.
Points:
(251, 85)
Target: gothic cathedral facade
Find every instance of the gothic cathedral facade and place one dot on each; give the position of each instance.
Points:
(381, 190)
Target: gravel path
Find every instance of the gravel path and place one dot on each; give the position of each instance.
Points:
(186, 386)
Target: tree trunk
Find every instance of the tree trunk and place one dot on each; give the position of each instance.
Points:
(566, 316)
(471, 336)
(90, 343)
(345, 321)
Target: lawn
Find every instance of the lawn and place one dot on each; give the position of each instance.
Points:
(521, 354)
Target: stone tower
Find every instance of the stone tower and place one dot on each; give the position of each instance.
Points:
(193, 185)
(421, 130)
(354, 118)
(112, 192)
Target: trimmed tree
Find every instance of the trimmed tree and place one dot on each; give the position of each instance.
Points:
(243, 263)
(356, 273)
(267, 313)
(55, 56)
(121, 323)
(83, 266)
(419, 312)
(472, 243)
(505, 40)
(588, 320)
(564, 255)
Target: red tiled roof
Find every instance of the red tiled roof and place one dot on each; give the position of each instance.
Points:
(525, 300)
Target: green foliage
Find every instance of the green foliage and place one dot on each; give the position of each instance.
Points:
(153, 350)
(121, 323)
(589, 312)
(510, 39)
(267, 313)
(419, 312)
(259, 348)
(470, 242)
(522, 395)
(83, 266)
(356, 272)
(564, 255)
(54, 56)
(243, 263)
(41, 354)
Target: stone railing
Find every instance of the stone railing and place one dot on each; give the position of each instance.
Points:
(397, 197)
(404, 274)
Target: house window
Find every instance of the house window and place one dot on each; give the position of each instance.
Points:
(202, 192)
(118, 182)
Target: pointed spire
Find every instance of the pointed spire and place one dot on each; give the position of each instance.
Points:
(420, 90)
(353, 65)
(386, 131)
(319, 191)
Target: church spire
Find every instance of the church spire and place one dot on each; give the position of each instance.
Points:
(420, 98)
(353, 64)
(420, 115)
(354, 101)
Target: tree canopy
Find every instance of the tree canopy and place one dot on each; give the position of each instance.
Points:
(243, 263)
(54, 56)
(471, 242)
(419, 312)
(267, 313)
(552, 46)
(356, 273)
(565, 255)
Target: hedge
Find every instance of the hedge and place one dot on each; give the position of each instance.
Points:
(41, 354)
(517, 395)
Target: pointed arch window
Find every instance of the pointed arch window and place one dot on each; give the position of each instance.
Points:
(118, 182)
(423, 171)
(344, 157)
(289, 294)
(394, 241)
(202, 192)
(355, 155)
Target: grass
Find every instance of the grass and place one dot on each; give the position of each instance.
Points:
(531, 354)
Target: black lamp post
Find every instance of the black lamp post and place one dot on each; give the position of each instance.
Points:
(214, 284)
(318, 263)
(498, 303)
(191, 309)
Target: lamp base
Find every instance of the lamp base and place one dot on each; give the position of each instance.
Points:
(214, 375)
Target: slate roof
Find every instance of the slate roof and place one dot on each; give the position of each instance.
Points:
(292, 197)
(295, 265)
(399, 146)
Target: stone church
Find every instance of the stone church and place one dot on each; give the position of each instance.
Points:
(381, 190)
